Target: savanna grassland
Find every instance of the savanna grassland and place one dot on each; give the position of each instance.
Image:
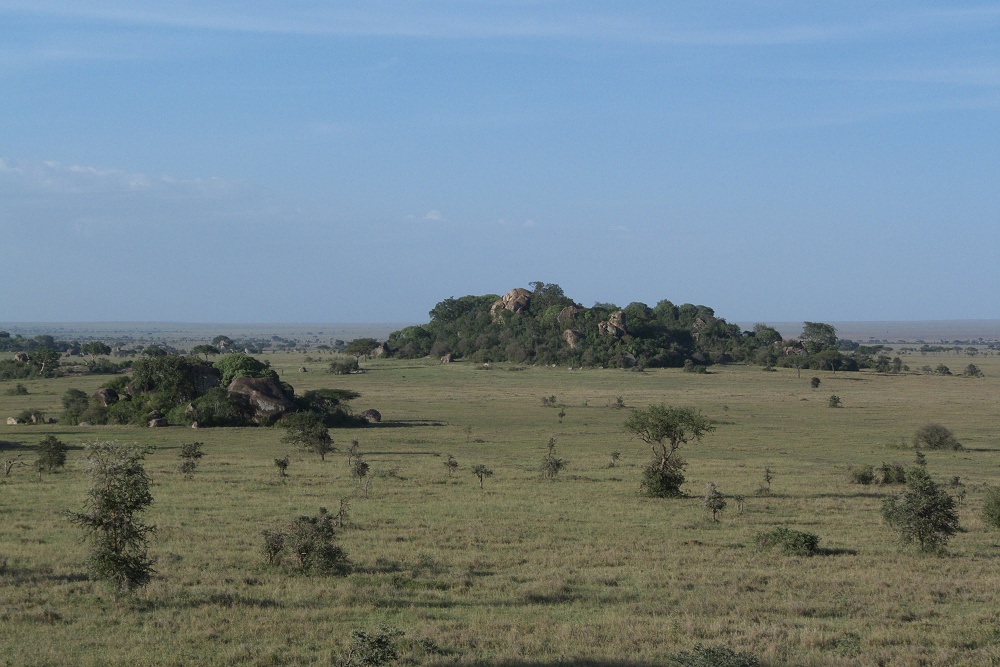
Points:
(525, 571)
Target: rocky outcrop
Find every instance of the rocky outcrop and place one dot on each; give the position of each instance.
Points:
(265, 396)
(515, 301)
(614, 326)
(13, 421)
(571, 337)
(568, 314)
(372, 416)
(105, 397)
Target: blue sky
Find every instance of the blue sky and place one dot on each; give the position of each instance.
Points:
(360, 161)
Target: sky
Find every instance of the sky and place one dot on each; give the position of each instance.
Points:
(360, 161)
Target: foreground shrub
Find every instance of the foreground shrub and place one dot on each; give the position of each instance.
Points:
(663, 481)
(372, 649)
(51, 454)
(111, 519)
(714, 656)
(924, 513)
(791, 542)
(991, 506)
(861, 474)
(310, 538)
(936, 436)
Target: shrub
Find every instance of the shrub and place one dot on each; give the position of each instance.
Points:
(51, 454)
(118, 495)
(715, 656)
(17, 390)
(307, 430)
(663, 481)
(482, 472)
(344, 366)
(924, 513)
(372, 649)
(814, 382)
(551, 465)
(835, 402)
(714, 501)
(282, 466)
(311, 541)
(451, 464)
(941, 369)
(991, 506)
(861, 474)
(892, 473)
(791, 542)
(936, 436)
(190, 454)
(972, 371)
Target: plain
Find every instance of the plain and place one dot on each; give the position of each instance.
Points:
(526, 571)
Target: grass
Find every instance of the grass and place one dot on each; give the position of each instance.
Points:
(526, 571)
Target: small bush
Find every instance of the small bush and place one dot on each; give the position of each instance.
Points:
(344, 366)
(714, 656)
(936, 436)
(31, 416)
(835, 402)
(991, 506)
(51, 454)
(190, 455)
(972, 371)
(17, 390)
(372, 649)
(791, 542)
(924, 513)
(892, 473)
(665, 482)
(311, 541)
(861, 474)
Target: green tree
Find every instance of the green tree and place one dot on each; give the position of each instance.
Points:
(95, 349)
(451, 464)
(482, 472)
(361, 347)
(307, 430)
(665, 429)
(205, 350)
(238, 365)
(936, 436)
(991, 506)
(714, 501)
(924, 513)
(45, 356)
(51, 454)
(118, 495)
(190, 455)
(817, 337)
(74, 403)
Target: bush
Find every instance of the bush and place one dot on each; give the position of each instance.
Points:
(372, 649)
(118, 495)
(892, 473)
(715, 656)
(791, 542)
(190, 455)
(991, 506)
(17, 390)
(861, 474)
(924, 513)
(344, 366)
(311, 541)
(31, 416)
(936, 436)
(51, 454)
(75, 404)
(835, 402)
(663, 482)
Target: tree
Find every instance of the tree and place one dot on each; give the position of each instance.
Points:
(924, 513)
(991, 506)
(551, 465)
(205, 350)
(714, 501)
(814, 382)
(482, 472)
(238, 365)
(307, 430)
(360, 469)
(282, 466)
(665, 429)
(936, 436)
(111, 519)
(817, 337)
(451, 464)
(834, 401)
(361, 347)
(972, 371)
(94, 349)
(45, 356)
(51, 454)
(190, 455)
(74, 403)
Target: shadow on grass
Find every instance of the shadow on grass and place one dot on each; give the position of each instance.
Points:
(412, 423)
(23, 575)
(578, 663)
(844, 496)
(223, 599)
(822, 551)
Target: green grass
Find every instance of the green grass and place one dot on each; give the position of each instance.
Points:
(526, 571)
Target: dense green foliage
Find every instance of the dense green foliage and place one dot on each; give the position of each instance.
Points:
(665, 429)
(991, 506)
(924, 513)
(51, 454)
(237, 365)
(119, 493)
(791, 542)
(936, 436)
(547, 327)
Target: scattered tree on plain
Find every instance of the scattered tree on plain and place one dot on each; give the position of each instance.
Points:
(924, 513)
(936, 436)
(118, 495)
(51, 454)
(665, 430)
(190, 455)
(482, 472)
(307, 430)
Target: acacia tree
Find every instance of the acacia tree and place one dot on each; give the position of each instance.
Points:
(925, 513)
(307, 430)
(665, 429)
(118, 495)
